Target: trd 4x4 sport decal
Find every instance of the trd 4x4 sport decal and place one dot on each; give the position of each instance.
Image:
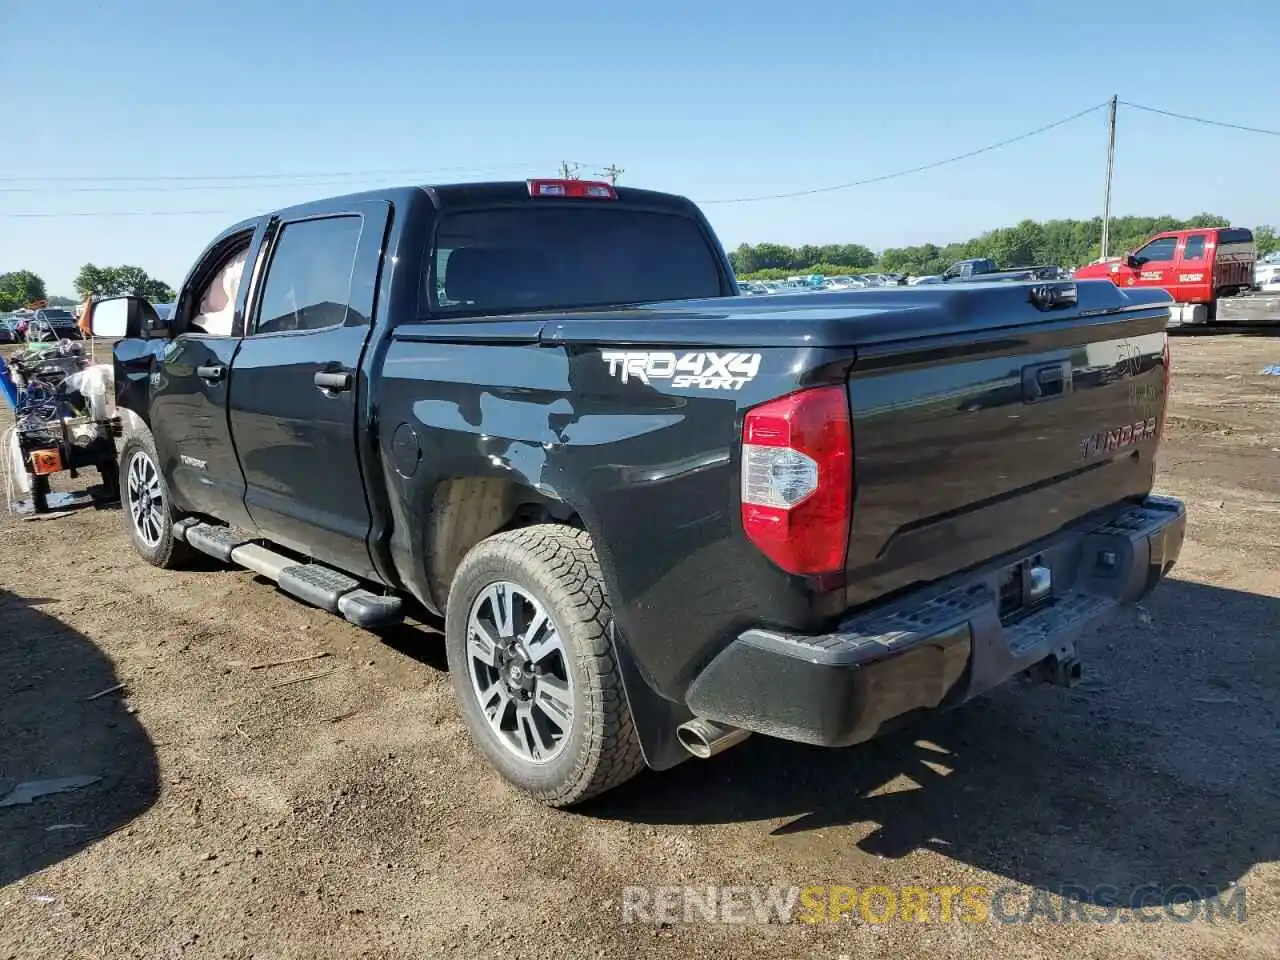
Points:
(703, 370)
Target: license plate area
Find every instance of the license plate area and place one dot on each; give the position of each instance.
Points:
(1024, 587)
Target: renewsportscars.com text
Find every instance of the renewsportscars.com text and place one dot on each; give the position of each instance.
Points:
(818, 903)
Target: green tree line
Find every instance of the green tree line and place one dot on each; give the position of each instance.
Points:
(119, 281)
(1066, 243)
(20, 287)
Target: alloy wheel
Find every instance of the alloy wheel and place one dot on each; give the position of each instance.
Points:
(519, 670)
(146, 499)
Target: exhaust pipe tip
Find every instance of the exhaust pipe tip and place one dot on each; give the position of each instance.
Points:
(706, 738)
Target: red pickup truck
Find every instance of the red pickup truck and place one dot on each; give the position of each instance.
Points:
(1196, 266)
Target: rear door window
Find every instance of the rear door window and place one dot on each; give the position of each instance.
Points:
(309, 278)
(557, 257)
(1194, 249)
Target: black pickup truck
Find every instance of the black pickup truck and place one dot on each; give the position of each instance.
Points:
(655, 516)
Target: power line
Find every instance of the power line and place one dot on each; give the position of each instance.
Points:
(920, 169)
(568, 168)
(135, 213)
(295, 182)
(393, 171)
(362, 180)
(1211, 123)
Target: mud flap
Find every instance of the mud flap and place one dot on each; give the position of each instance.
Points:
(655, 717)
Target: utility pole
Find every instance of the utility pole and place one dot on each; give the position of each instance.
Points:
(569, 170)
(1111, 169)
(613, 172)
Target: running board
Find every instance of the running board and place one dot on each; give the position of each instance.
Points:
(317, 585)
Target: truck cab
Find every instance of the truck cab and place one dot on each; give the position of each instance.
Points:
(967, 269)
(1196, 266)
(984, 269)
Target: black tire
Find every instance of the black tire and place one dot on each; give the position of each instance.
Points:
(109, 471)
(557, 566)
(164, 550)
(40, 493)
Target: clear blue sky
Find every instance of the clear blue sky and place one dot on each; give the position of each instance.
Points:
(705, 98)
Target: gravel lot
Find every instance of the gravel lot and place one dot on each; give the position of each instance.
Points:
(346, 815)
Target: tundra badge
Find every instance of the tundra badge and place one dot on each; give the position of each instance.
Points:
(1118, 438)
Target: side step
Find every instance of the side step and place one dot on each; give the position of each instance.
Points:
(315, 584)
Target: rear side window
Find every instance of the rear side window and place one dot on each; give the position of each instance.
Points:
(308, 281)
(555, 257)
(1194, 249)
(1235, 235)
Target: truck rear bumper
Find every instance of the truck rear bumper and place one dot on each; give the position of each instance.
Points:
(944, 644)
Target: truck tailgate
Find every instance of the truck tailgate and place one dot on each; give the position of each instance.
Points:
(970, 443)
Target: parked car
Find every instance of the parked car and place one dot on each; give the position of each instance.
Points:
(1197, 267)
(538, 410)
(52, 323)
(844, 283)
(9, 331)
(1266, 273)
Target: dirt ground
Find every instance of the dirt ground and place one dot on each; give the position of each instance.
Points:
(345, 815)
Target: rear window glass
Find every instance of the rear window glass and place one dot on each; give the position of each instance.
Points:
(1235, 235)
(1195, 248)
(560, 257)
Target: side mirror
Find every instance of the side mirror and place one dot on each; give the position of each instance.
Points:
(1134, 262)
(126, 317)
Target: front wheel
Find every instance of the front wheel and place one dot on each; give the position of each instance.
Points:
(148, 511)
(526, 631)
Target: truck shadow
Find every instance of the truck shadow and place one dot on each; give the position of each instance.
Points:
(420, 638)
(52, 732)
(1155, 774)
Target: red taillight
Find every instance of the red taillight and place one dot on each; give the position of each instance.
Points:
(578, 189)
(797, 479)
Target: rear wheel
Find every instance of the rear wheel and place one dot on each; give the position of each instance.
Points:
(148, 512)
(529, 653)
